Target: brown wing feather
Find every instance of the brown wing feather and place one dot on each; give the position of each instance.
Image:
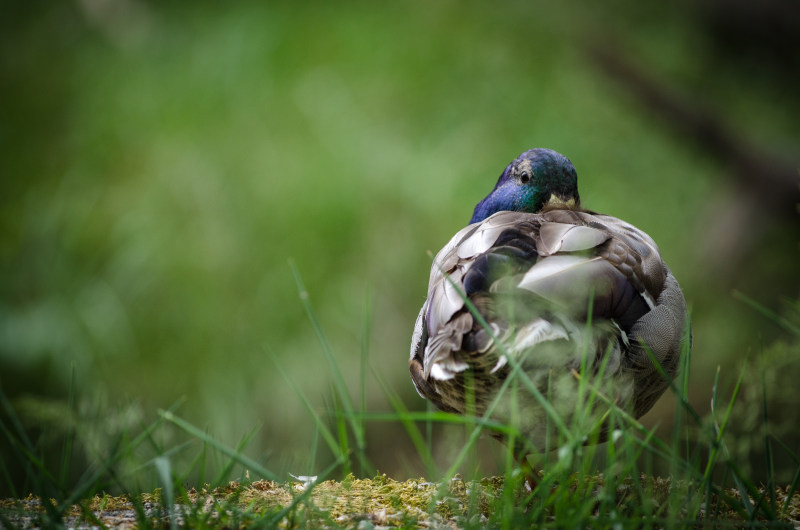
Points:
(578, 256)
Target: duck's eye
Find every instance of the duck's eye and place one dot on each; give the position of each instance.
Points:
(524, 177)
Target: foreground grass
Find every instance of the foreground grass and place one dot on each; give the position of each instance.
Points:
(583, 484)
(381, 501)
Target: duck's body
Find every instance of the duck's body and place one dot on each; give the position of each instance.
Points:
(566, 293)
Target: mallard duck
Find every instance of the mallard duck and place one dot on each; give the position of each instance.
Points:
(566, 294)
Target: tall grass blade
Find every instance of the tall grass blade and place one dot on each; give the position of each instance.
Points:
(200, 463)
(686, 363)
(790, 492)
(770, 486)
(200, 435)
(713, 450)
(221, 477)
(719, 429)
(164, 471)
(327, 435)
(312, 463)
(66, 448)
(365, 339)
(680, 393)
(336, 374)
(25, 452)
(18, 456)
(421, 444)
(341, 430)
(773, 316)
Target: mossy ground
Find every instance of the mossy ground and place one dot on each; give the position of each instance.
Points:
(380, 502)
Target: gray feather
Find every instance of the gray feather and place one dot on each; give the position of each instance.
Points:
(538, 307)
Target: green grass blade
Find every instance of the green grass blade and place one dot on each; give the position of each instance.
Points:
(200, 435)
(18, 456)
(336, 374)
(327, 435)
(312, 463)
(36, 472)
(771, 315)
(66, 449)
(221, 477)
(407, 420)
(790, 492)
(365, 338)
(770, 461)
(164, 471)
(341, 430)
(718, 441)
(681, 394)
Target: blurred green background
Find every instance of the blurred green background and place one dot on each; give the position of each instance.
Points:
(162, 162)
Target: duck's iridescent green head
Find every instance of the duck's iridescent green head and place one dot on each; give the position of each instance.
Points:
(535, 179)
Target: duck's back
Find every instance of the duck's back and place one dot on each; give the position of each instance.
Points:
(536, 280)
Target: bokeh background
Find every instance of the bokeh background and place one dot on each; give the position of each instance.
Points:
(161, 164)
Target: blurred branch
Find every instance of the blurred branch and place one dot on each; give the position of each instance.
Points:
(767, 179)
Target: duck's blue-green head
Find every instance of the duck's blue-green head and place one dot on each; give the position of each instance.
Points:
(535, 179)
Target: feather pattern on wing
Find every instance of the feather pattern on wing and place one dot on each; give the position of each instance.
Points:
(536, 278)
